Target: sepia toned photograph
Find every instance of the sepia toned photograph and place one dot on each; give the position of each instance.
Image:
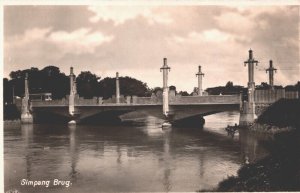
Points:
(151, 97)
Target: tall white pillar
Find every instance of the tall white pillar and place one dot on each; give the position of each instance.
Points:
(251, 84)
(72, 92)
(26, 116)
(271, 70)
(247, 115)
(117, 88)
(165, 70)
(200, 75)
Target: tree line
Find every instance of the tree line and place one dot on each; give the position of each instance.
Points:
(51, 80)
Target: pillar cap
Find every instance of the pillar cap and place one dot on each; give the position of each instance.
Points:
(165, 66)
(199, 72)
(71, 71)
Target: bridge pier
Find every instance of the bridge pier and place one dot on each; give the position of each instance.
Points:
(247, 114)
(26, 116)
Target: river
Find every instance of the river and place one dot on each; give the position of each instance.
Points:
(128, 158)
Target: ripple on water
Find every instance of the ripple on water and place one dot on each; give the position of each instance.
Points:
(125, 158)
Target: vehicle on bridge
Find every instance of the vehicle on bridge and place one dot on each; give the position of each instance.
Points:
(41, 97)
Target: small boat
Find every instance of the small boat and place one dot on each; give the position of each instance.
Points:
(231, 130)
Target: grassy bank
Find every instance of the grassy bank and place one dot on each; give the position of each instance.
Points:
(280, 171)
(283, 113)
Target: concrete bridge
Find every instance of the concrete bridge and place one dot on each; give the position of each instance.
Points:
(181, 108)
(169, 106)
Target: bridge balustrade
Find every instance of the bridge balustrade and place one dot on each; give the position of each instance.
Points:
(86, 102)
(61, 102)
(291, 94)
(146, 100)
(211, 99)
(271, 96)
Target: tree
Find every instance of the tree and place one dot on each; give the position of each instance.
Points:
(87, 84)
(128, 87)
(51, 71)
(228, 89)
(15, 74)
(184, 93)
(172, 88)
(263, 86)
(49, 79)
(7, 92)
(53, 81)
(229, 84)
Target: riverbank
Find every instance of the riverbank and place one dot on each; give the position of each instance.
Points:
(283, 113)
(282, 116)
(270, 129)
(280, 171)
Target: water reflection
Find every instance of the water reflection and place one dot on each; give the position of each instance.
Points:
(251, 148)
(27, 136)
(127, 158)
(73, 152)
(166, 159)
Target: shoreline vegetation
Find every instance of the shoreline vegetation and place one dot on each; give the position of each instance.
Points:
(280, 170)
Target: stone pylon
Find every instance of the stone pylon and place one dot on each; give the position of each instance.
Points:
(247, 115)
(117, 89)
(165, 69)
(26, 116)
(271, 71)
(73, 92)
(200, 75)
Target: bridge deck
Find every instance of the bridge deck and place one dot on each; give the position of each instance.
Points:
(146, 101)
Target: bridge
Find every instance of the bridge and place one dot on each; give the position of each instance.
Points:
(181, 108)
(166, 105)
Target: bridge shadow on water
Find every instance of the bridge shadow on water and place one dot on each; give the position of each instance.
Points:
(107, 118)
(103, 124)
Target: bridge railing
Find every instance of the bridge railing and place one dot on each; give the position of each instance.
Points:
(88, 102)
(271, 96)
(146, 100)
(210, 99)
(61, 102)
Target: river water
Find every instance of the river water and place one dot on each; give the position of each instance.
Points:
(135, 158)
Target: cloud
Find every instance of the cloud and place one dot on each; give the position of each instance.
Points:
(58, 18)
(134, 40)
(120, 14)
(76, 42)
(211, 35)
(235, 22)
(43, 47)
(79, 41)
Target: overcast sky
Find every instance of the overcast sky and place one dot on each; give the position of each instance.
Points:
(133, 40)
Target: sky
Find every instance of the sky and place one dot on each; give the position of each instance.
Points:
(133, 40)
